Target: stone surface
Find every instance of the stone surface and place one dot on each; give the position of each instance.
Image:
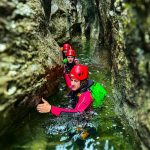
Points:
(30, 61)
(130, 64)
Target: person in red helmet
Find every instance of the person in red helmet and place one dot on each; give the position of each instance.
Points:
(71, 61)
(80, 97)
(64, 49)
(70, 56)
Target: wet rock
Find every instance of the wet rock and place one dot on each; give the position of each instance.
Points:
(2, 47)
(11, 89)
(28, 55)
(130, 63)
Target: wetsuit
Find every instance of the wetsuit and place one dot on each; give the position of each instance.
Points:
(68, 81)
(79, 103)
(69, 66)
(67, 70)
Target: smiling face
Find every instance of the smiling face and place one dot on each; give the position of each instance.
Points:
(70, 59)
(75, 84)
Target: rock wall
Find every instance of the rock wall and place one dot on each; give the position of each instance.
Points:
(30, 61)
(130, 55)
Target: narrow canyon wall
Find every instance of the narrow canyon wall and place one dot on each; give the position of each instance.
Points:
(130, 55)
(30, 60)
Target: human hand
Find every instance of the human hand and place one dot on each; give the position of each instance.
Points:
(45, 107)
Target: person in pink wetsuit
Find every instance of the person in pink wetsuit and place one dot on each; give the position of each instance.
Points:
(71, 61)
(80, 96)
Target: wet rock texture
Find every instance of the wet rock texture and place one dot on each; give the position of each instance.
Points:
(131, 64)
(30, 61)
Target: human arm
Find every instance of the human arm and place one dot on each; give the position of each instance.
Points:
(85, 100)
(67, 80)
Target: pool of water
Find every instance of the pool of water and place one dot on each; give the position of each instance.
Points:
(106, 130)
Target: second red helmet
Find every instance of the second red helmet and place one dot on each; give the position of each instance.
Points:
(79, 72)
(71, 52)
(66, 46)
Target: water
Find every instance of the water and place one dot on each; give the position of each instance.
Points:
(46, 132)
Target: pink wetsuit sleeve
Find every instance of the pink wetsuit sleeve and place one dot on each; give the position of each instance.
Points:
(85, 100)
(67, 80)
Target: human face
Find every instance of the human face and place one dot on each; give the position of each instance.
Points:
(70, 59)
(75, 84)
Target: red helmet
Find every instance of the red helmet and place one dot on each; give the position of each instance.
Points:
(71, 52)
(66, 46)
(79, 72)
